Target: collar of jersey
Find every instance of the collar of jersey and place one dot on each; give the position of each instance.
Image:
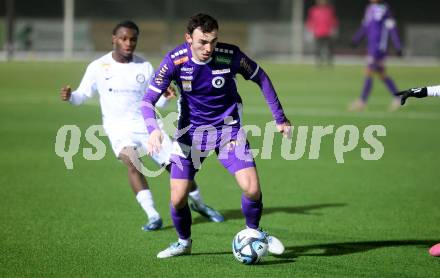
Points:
(119, 63)
(200, 62)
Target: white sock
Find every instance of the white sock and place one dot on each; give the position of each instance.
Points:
(196, 197)
(145, 199)
(185, 242)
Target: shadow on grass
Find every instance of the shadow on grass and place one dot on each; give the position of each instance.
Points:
(345, 248)
(237, 214)
(264, 262)
(168, 227)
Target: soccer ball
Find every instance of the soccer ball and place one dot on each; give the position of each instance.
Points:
(249, 246)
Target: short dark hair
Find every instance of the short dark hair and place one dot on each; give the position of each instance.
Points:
(206, 22)
(126, 24)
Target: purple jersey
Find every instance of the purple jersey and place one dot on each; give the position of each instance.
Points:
(378, 25)
(208, 89)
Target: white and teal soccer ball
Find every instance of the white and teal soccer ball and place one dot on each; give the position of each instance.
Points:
(249, 246)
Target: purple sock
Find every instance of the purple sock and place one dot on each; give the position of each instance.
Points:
(252, 211)
(182, 221)
(366, 90)
(391, 86)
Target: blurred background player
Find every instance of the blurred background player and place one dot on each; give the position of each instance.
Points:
(121, 78)
(322, 23)
(205, 71)
(431, 91)
(377, 26)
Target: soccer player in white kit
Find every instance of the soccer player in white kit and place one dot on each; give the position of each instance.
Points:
(431, 91)
(120, 78)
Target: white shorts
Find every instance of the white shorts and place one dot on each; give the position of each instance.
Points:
(120, 139)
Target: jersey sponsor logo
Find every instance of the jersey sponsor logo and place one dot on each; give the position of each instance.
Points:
(181, 60)
(186, 77)
(221, 71)
(218, 82)
(125, 91)
(186, 86)
(140, 78)
(223, 60)
(159, 77)
(246, 66)
(187, 69)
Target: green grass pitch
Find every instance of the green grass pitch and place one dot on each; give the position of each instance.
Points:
(354, 219)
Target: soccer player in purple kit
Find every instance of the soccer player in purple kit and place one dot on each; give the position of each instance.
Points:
(377, 26)
(209, 119)
(120, 78)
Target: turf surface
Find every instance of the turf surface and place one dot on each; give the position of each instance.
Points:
(354, 219)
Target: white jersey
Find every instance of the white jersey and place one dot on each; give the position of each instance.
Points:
(120, 87)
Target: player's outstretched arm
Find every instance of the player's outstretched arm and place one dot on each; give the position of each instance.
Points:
(66, 93)
(414, 92)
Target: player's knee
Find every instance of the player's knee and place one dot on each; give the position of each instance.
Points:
(178, 201)
(253, 193)
(128, 156)
(251, 189)
(179, 193)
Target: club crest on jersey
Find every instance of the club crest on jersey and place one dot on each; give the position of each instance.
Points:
(140, 78)
(186, 86)
(218, 82)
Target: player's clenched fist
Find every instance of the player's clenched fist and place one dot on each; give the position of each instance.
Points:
(414, 92)
(65, 93)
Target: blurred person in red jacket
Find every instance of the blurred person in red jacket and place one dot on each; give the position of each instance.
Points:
(323, 23)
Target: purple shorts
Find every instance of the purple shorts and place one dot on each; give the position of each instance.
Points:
(233, 156)
(376, 62)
